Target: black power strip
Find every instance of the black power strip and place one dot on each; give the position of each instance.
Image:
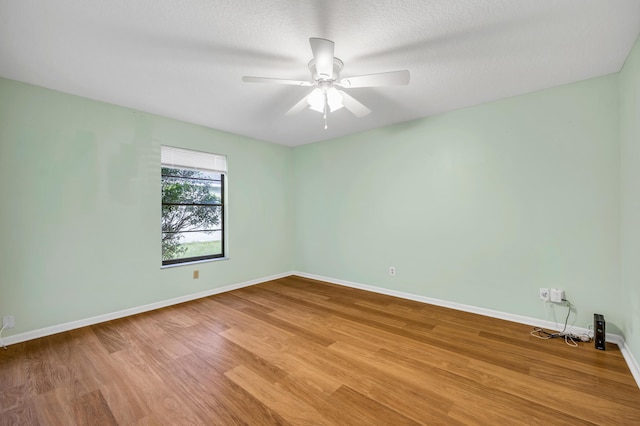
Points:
(599, 330)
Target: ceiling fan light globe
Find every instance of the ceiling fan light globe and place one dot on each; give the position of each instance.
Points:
(316, 100)
(334, 99)
(316, 108)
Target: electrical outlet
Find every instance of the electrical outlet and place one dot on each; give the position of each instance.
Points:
(544, 294)
(556, 295)
(8, 321)
(196, 274)
(392, 271)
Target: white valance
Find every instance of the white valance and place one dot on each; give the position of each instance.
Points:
(186, 158)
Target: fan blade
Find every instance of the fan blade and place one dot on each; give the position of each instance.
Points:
(323, 55)
(302, 104)
(276, 81)
(353, 105)
(393, 78)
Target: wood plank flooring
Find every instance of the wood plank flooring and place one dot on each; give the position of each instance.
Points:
(300, 352)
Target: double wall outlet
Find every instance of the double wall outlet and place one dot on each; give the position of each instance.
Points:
(544, 294)
(554, 295)
(392, 271)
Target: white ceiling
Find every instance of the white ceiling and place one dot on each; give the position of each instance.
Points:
(184, 59)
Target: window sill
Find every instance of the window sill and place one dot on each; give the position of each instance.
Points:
(197, 262)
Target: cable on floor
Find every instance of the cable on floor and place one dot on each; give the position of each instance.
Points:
(570, 339)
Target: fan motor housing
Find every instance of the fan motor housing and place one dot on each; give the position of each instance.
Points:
(337, 67)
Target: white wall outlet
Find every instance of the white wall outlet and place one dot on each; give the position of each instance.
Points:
(556, 295)
(392, 271)
(9, 321)
(544, 294)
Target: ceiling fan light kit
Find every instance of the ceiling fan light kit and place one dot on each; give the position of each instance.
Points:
(325, 70)
(322, 97)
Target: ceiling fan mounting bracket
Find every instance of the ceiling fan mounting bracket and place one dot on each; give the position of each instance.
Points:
(337, 67)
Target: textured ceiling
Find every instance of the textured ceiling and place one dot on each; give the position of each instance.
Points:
(185, 58)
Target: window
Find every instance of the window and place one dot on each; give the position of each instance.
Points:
(193, 222)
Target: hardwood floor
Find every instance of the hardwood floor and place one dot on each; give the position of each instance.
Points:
(302, 352)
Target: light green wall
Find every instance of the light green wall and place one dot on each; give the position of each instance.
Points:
(480, 206)
(80, 210)
(630, 141)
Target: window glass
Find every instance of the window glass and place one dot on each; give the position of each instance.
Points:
(192, 214)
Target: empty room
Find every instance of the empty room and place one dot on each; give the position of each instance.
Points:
(311, 212)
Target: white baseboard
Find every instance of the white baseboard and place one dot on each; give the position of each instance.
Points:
(47, 331)
(632, 363)
(535, 322)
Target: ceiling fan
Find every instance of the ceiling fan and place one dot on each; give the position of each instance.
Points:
(325, 71)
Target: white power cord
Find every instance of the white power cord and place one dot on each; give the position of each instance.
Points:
(569, 337)
(1, 341)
